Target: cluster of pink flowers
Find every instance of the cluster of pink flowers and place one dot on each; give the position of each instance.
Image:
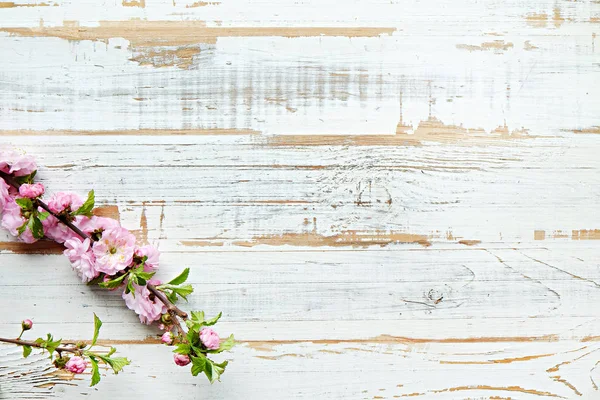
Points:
(101, 250)
(113, 252)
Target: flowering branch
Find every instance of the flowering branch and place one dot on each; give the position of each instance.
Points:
(102, 252)
(83, 355)
(59, 349)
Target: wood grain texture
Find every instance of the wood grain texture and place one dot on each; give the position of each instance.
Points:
(387, 199)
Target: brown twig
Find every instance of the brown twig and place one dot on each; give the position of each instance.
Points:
(170, 306)
(20, 342)
(174, 311)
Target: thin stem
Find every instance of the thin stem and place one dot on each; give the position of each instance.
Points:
(180, 330)
(20, 342)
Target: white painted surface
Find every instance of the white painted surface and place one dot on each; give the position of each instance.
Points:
(337, 260)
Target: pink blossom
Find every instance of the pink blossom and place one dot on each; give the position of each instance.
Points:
(4, 194)
(82, 258)
(94, 224)
(12, 221)
(209, 338)
(148, 310)
(60, 201)
(26, 324)
(32, 191)
(58, 231)
(152, 253)
(114, 251)
(181, 359)
(15, 163)
(167, 338)
(76, 365)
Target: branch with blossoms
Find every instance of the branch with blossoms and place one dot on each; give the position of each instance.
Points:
(80, 355)
(102, 252)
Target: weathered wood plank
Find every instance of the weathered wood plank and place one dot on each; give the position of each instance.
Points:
(386, 201)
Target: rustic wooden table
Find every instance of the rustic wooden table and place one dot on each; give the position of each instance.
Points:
(386, 198)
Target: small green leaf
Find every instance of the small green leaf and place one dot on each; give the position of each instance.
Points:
(210, 372)
(43, 215)
(111, 352)
(36, 227)
(145, 275)
(213, 370)
(24, 203)
(226, 344)
(198, 316)
(87, 207)
(49, 344)
(26, 178)
(172, 296)
(213, 321)
(22, 227)
(97, 325)
(181, 278)
(116, 363)
(192, 336)
(182, 290)
(198, 365)
(114, 283)
(95, 372)
(183, 348)
(26, 351)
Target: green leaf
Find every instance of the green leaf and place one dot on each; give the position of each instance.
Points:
(49, 343)
(183, 291)
(22, 227)
(226, 344)
(87, 207)
(24, 203)
(114, 283)
(192, 336)
(111, 352)
(181, 278)
(213, 370)
(116, 363)
(198, 365)
(36, 227)
(183, 348)
(26, 178)
(95, 372)
(26, 351)
(213, 321)
(43, 215)
(172, 297)
(198, 316)
(97, 325)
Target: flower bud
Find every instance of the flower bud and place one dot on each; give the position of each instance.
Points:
(76, 365)
(31, 191)
(81, 345)
(181, 359)
(26, 324)
(167, 338)
(209, 338)
(60, 362)
(166, 319)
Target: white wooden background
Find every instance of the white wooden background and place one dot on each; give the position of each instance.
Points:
(387, 198)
